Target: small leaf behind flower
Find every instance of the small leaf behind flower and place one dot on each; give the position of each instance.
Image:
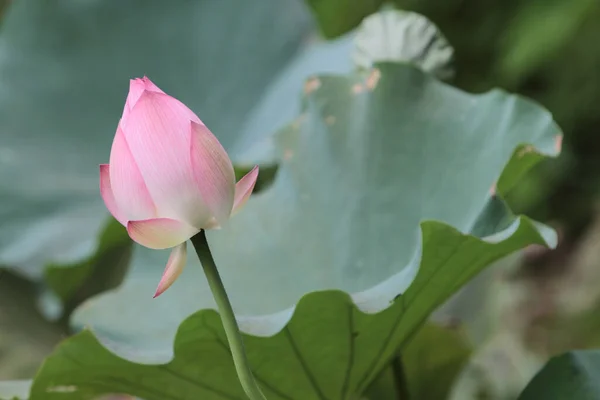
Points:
(402, 36)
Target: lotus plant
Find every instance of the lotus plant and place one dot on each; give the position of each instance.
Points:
(168, 180)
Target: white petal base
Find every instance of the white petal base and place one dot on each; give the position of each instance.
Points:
(160, 233)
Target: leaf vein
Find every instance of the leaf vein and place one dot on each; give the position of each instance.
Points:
(262, 382)
(302, 362)
(400, 317)
(350, 365)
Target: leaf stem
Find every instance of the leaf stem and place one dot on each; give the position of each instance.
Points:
(232, 330)
(400, 378)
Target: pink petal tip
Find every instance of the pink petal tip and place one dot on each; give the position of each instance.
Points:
(137, 87)
(243, 189)
(174, 268)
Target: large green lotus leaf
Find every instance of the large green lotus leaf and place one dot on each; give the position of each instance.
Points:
(19, 390)
(574, 375)
(359, 171)
(328, 349)
(372, 157)
(65, 67)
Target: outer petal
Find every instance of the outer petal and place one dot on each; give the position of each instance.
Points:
(158, 135)
(160, 233)
(139, 87)
(108, 196)
(130, 192)
(244, 188)
(213, 172)
(174, 268)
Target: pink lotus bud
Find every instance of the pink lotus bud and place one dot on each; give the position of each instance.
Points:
(168, 176)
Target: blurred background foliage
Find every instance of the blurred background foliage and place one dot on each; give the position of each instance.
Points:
(538, 305)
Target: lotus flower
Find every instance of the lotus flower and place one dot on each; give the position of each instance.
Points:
(168, 177)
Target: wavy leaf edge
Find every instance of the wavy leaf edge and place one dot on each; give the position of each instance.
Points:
(361, 301)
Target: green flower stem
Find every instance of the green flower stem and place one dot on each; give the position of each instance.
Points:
(400, 378)
(232, 330)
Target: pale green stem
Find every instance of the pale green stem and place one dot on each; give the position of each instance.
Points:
(232, 330)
